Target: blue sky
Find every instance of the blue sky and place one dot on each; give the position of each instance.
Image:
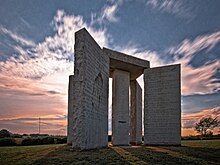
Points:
(37, 52)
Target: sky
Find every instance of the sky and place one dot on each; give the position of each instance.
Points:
(37, 53)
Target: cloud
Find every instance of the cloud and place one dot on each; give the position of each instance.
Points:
(195, 103)
(53, 92)
(67, 25)
(200, 80)
(28, 25)
(54, 54)
(34, 82)
(49, 117)
(152, 56)
(44, 69)
(189, 119)
(17, 38)
(55, 125)
(188, 48)
(176, 7)
(107, 14)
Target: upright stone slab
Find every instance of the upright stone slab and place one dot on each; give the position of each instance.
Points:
(120, 107)
(90, 94)
(135, 113)
(162, 106)
(70, 111)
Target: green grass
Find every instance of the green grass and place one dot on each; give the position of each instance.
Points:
(202, 143)
(191, 152)
(24, 154)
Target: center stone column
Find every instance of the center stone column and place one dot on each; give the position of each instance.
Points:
(120, 107)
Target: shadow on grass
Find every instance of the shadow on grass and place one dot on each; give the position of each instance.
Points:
(175, 155)
(132, 155)
(206, 154)
(65, 156)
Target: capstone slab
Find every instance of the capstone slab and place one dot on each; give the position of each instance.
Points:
(127, 63)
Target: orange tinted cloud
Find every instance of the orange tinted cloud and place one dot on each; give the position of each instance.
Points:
(34, 81)
(190, 119)
(51, 124)
(199, 80)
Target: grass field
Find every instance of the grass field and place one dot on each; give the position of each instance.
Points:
(191, 152)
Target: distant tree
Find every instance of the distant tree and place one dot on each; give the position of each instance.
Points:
(205, 125)
(5, 133)
(16, 135)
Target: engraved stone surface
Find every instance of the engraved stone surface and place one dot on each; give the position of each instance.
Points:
(90, 94)
(135, 113)
(162, 109)
(120, 107)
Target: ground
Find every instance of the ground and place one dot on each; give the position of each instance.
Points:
(191, 152)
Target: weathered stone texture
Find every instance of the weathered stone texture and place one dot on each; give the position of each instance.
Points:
(70, 112)
(135, 113)
(127, 63)
(90, 94)
(162, 109)
(120, 107)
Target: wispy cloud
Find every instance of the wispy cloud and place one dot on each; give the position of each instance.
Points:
(28, 25)
(45, 118)
(152, 56)
(188, 47)
(20, 39)
(176, 7)
(67, 25)
(107, 14)
(52, 55)
(200, 80)
(51, 124)
(35, 82)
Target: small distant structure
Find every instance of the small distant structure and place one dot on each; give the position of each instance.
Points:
(88, 98)
(39, 125)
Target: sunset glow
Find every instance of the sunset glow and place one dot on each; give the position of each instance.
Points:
(37, 54)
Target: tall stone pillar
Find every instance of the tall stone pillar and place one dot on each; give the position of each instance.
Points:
(135, 113)
(120, 107)
(70, 112)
